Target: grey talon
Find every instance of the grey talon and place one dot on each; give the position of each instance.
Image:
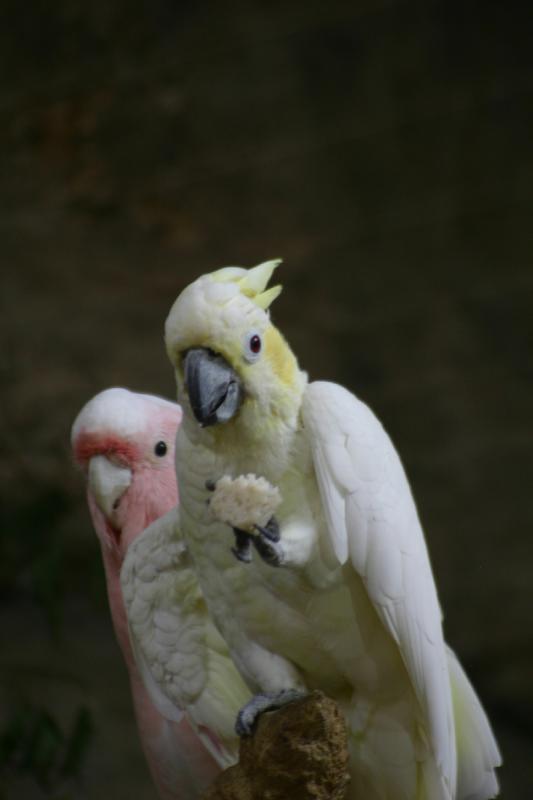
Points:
(269, 701)
(271, 530)
(242, 550)
(244, 555)
(271, 552)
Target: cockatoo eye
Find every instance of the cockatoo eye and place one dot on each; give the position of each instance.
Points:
(252, 346)
(161, 449)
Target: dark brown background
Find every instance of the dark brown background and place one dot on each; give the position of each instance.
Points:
(384, 149)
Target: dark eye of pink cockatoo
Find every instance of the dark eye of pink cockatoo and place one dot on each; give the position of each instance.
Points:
(124, 442)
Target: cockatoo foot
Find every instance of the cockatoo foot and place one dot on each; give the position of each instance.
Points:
(270, 531)
(248, 715)
(267, 543)
(242, 550)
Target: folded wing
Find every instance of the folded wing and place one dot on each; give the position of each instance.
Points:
(373, 524)
(183, 660)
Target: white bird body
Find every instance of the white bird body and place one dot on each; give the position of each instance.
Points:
(352, 609)
(310, 624)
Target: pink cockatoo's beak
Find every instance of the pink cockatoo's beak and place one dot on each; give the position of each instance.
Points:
(107, 483)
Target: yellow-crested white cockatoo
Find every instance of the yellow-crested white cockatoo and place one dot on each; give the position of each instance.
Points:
(325, 581)
(125, 444)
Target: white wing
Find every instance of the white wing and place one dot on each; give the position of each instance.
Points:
(372, 520)
(184, 663)
(478, 754)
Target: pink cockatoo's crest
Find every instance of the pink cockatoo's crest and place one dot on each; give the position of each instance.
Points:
(124, 442)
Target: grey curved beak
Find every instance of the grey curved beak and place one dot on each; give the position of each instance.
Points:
(108, 483)
(214, 388)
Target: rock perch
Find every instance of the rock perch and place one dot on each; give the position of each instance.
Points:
(297, 753)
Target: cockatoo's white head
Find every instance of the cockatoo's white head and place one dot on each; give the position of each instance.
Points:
(232, 365)
(125, 443)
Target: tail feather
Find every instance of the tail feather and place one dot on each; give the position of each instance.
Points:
(390, 758)
(477, 751)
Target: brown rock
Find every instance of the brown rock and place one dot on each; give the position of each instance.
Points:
(296, 753)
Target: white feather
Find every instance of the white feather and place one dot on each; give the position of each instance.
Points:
(478, 752)
(183, 661)
(372, 518)
(126, 409)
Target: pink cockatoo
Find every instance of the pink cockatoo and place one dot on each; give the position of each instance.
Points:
(125, 444)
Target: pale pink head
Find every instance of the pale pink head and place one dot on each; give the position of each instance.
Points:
(125, 444)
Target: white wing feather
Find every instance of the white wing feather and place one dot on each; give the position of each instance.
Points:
(184, 663)
(372, 520)
(479, 755)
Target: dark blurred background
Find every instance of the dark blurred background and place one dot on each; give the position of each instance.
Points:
(384, 149)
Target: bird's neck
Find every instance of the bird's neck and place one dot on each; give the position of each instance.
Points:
(112, 565)
(259, 440)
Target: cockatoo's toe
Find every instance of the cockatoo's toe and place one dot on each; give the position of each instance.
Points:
(242, 550)
(266, 541)
(268, 545)
(270, 531)
(270, 701)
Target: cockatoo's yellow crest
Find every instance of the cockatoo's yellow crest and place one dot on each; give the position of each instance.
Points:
(252, 282)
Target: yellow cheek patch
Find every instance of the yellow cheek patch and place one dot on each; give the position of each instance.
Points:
(280, 356)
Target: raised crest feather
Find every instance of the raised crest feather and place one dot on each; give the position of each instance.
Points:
(256, 279)
(264, 299)
(252, 282)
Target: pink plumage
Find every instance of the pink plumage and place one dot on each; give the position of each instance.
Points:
(125, 444)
